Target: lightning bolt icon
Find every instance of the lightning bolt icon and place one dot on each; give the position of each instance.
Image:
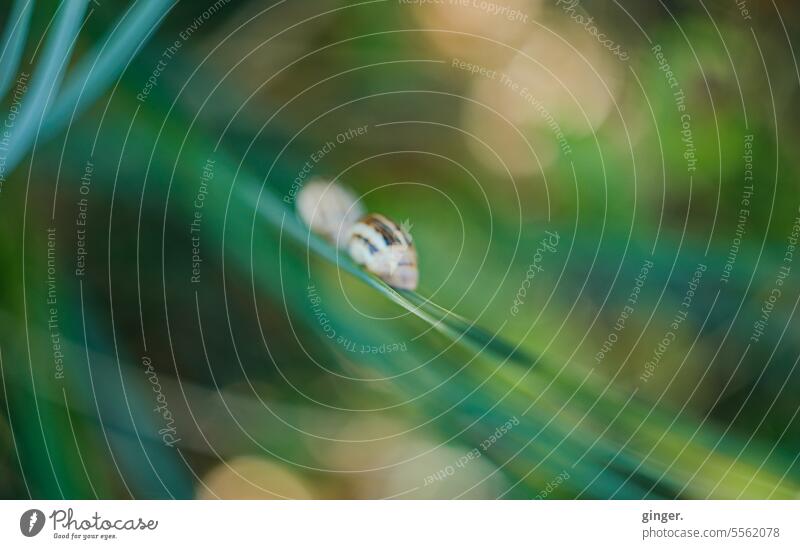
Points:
(33, 520)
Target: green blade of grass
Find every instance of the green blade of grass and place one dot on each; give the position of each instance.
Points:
(463, 331)
(555, 428)
(14, 42)
(46, 80)
(98, 69)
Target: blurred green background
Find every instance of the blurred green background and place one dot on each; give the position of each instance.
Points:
(171, 330)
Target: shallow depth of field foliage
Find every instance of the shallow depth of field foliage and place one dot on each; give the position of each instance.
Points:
(608, 294)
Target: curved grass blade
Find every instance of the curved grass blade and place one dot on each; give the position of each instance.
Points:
(556, 434)
(14, 42)
(46, 80)
(447, 322)
(96, 71)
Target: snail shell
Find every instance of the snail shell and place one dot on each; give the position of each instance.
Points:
(329, 209)
(385, 249)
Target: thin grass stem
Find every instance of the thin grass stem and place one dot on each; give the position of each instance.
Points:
(46, 80)
(96, 71)
(14, 42)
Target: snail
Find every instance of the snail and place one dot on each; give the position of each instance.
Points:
(374, 241)
(385, 249)
(329, 209)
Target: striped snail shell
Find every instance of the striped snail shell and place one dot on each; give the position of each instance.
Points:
(385, 249)
(329, 209)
